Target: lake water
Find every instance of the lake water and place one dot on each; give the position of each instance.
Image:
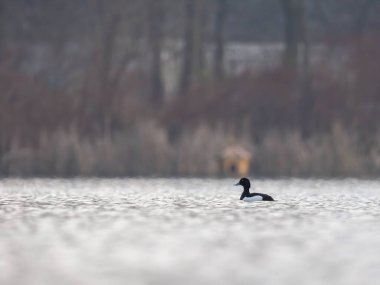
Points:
(188, 231)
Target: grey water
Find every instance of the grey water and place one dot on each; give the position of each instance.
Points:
(188, 231)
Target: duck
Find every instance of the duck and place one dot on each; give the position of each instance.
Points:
(251, 197)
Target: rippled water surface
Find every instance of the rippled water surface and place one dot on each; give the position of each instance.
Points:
(188, 231)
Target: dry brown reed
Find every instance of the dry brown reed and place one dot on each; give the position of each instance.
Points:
(146, 150)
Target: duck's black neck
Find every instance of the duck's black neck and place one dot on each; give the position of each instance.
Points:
(245, 192)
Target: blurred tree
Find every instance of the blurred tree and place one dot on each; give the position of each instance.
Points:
(219, 38)
(296, 36)
(1, 29)
(306, 95)
(200, 39)
(113, 48)
(346, 18)
(292, 11)
(156, 20)
(193, 44)
(363, 15)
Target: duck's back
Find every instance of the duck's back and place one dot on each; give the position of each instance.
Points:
(252, 197)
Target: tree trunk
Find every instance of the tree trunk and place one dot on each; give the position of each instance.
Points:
(155, 23)
(1, 31)
(292, 32)
(219, 39)
(199, 40)
(306, 96)
(107, 90)
(364, 12)
(193, 50)
(188, 41)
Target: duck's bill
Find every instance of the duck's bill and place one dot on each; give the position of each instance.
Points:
(237, 184)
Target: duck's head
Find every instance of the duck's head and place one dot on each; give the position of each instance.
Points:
(244, 182)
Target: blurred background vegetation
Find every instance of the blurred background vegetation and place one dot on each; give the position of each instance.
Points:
(161, 87)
